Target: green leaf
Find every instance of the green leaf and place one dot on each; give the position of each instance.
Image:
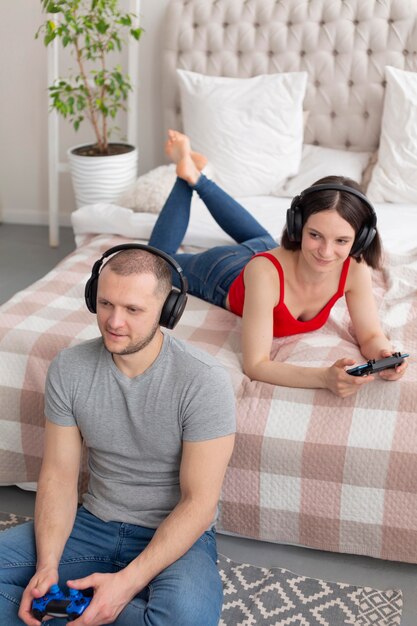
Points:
(125, 20)
(49, 38)
(51, 7)
(99, 79)
(102, 27)
(136, 33)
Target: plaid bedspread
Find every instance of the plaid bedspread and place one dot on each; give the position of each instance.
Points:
(308, 468)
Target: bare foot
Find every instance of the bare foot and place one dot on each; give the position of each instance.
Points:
(200, 161)
(177, 145)
(189, 163)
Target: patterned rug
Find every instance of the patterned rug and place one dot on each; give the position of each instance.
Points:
(257, 596)
(7, 520)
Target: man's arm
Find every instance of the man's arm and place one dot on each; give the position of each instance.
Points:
(203, 466)
(55, 509)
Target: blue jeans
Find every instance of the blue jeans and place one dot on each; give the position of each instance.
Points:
(209, 273)
(188, 592)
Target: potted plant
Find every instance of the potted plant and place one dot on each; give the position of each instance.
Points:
(93, 30)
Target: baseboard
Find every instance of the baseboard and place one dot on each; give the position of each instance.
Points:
(21, 216)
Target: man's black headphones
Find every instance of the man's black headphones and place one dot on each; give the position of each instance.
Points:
(295, 220)
(176, 300)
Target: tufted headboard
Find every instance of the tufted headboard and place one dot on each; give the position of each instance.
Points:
(344, 45)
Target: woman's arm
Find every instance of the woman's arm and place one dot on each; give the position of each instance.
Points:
(373, 343)
(261, 296)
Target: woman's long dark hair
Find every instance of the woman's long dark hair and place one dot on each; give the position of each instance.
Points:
(349, 207)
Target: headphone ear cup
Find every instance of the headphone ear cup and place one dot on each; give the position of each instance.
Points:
(290, 224)
(294, 222)
(363, 240)
(90, 293)
(173, 308)
(298, 223)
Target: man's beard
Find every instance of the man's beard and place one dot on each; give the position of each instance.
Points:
(140, 345)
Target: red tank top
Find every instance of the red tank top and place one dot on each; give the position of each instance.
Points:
(284, 323)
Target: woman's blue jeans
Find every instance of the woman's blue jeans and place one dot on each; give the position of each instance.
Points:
(187, 593)
(209, 273)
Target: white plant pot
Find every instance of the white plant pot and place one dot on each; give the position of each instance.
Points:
(101, 178)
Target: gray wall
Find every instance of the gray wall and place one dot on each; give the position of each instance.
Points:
(24, 112)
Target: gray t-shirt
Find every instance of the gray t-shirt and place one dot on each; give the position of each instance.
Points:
(134, 427)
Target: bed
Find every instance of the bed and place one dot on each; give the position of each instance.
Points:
(308, 468)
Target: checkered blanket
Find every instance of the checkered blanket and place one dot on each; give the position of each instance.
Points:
(308, 468)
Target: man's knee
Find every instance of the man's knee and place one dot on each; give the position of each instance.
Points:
(198, 602)
(17, 555)
(10, 597)
(196, 611)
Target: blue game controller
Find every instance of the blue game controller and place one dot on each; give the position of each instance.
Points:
(56, 604)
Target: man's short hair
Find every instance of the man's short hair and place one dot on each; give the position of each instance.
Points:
(137, 261)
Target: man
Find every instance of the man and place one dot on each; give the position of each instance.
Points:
(157, 416)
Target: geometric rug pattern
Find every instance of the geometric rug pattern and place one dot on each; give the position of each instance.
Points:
(7, 520)
(257, 596)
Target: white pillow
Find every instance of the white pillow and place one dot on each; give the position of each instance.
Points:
(149, 192)
(251, 129)
(394, 177)
(318, 162)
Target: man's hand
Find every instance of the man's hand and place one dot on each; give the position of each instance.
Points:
(343, 384)
(111, 596)
(38, 586)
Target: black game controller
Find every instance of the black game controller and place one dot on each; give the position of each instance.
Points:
(56, 604)
(372, 366)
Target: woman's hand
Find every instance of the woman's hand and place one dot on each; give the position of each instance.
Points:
(393, 373)
(341, 383)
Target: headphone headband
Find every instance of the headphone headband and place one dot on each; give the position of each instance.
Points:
(139, 246)
(336, 187)
(295, 221)
(174, 304)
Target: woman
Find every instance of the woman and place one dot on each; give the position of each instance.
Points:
(283, 290)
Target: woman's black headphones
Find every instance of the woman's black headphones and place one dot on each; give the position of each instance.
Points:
(295, 221)
(176, 300)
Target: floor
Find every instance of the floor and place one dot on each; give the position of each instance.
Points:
(25, 256)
